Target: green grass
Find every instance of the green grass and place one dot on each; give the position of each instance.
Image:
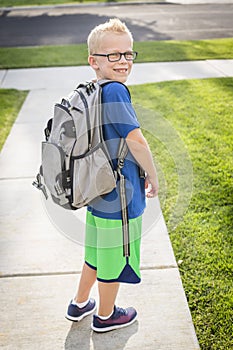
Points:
(151, 51)
(9, 3)
(11, 102)
(189, 122)
(200, 113)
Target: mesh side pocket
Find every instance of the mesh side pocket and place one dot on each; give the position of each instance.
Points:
(53, 159)
(93, 176)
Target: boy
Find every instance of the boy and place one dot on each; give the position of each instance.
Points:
(111, 56)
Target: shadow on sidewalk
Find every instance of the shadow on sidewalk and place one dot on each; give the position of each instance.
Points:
(82, 337)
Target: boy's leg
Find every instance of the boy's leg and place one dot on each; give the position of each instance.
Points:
(88, 275)
(82, 306)
(88, 278)
(110, 316)
(107, 296)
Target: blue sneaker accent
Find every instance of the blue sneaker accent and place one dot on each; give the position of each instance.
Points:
(75, 313)
(119, 319)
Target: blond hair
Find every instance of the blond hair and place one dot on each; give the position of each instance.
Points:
(114, 25)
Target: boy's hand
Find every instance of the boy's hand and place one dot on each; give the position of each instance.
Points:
(153, 187)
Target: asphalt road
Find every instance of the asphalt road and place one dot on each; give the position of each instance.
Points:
(71, 25)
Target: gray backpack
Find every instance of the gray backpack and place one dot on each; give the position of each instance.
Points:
(76, 166)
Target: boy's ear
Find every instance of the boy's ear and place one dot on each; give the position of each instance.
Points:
(92, 62)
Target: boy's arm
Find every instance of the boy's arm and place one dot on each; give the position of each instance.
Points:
(139, 148)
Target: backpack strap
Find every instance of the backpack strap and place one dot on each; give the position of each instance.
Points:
(123, 150)
(122, 153)
(103, 82)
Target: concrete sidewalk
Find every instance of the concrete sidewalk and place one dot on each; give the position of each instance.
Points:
(65, 78)
(40, 263)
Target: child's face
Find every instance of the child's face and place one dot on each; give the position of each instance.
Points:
(118, 71)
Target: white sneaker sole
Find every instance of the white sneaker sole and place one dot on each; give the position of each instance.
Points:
(77, 319)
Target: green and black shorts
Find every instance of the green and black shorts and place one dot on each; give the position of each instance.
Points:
(104, 249)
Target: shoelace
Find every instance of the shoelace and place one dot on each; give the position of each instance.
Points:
(119, 312)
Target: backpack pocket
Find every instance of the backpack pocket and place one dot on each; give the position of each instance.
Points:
(54, 173)
(93, 176)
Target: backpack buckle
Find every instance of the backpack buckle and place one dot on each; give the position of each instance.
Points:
(38, 184)
(90, 88)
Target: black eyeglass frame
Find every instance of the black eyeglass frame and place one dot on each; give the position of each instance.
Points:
(134, 53)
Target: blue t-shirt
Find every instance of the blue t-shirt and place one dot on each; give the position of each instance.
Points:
(119, 119)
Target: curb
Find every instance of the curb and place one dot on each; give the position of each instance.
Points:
(114, 3)
(82, 5)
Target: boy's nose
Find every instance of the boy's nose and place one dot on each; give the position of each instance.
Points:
(123, 59)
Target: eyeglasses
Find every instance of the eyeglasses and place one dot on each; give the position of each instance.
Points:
(116, 56)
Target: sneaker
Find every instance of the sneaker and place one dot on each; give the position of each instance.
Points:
(119, 319)
(75, 313)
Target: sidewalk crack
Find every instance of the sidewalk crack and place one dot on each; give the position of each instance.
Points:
(75, 272)
(3, 78)
(212, 65)
(39, 274)
(17, 178)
